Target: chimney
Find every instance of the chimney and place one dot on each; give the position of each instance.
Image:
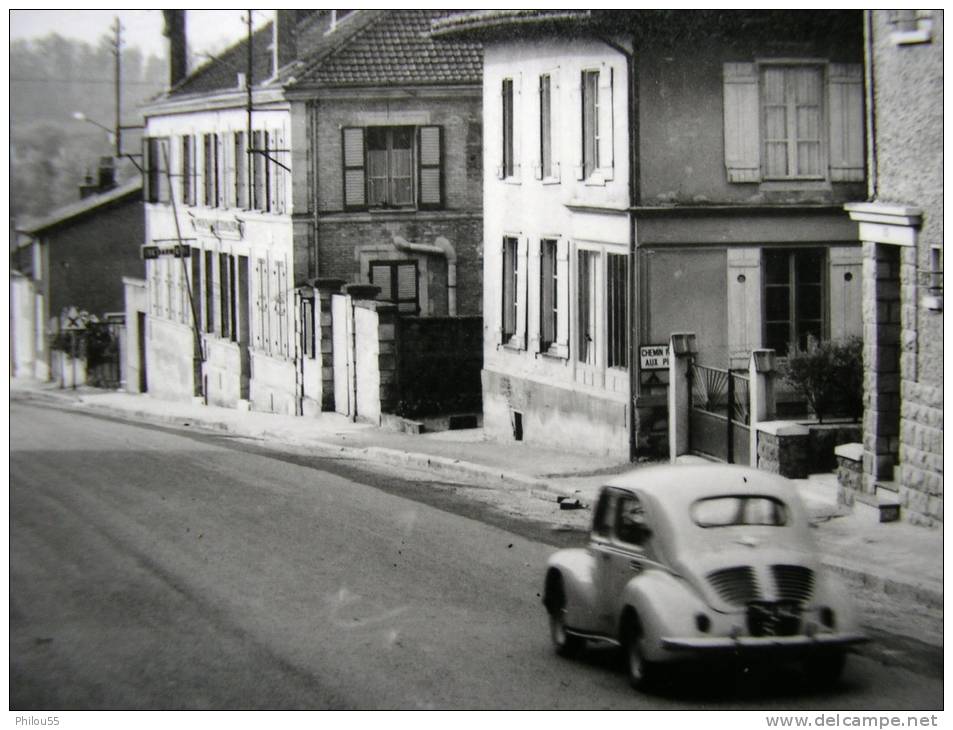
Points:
(285, 36)
(107, 174)
(178, 53)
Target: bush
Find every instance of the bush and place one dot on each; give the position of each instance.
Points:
(830, 375)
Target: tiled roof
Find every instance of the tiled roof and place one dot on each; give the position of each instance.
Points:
(481, 23)
(221, 72)
(61, 215)
(396, 48)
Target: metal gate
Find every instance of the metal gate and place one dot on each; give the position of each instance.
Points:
(719, 418)
(102, 353)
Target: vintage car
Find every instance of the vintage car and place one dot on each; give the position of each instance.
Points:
(700, 562)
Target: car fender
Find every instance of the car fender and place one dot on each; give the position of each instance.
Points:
(576, 567)
(829, 592)
(666, 605)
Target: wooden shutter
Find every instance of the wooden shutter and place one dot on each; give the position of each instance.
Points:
(846, 121)
(430, 156)
(742, 123)
(352, 142)
(606, 159)
(522, 292)
(562, 298)
(517, 125)
(578, 132)
(407, 288)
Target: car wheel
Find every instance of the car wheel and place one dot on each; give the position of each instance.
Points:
(566, 644)
(826, 668)
(641, 670)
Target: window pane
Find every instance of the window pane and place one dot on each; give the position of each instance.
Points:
(590, 115)
(509, 287)
(547, 284)
(809, 301)
(777, 303)
(381, 276)
(617, 297)
(376, 175)
(401, 173)
(507, 127)
(586, 287)
(777, 336)
(376, 138)
(809, 266)
(775, 268)
(545, 126)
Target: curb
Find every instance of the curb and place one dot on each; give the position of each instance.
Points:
(917, 592)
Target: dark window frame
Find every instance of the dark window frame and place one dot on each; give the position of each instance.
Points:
(394, 266)
(792, 291)
(508, 129)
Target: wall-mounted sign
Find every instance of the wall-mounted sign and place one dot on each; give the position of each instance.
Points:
(154, 251)
(653, 357)
(220, 228)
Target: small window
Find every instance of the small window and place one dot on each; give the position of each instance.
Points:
(793, 122)
(307, 328)
(734, 510)
(390, 166)
(398, 281)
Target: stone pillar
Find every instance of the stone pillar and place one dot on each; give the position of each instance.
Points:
(323, 341)
(388, 333)
(762, 373)
(682, 349)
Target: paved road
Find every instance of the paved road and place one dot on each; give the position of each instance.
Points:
(164, 570)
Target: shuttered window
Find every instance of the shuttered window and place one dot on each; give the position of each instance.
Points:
(392, 167)
(509, 151)
(590, 122)
(793, 122)
(587, 274)
(617, 302)
(545, 127)
(548, 288)
(398, 281)
(156, 178)
(241, 171)
(510, 287)
(188, 170)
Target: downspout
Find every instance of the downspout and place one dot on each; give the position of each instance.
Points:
(869, 102)
(440, 247)
(632, 313)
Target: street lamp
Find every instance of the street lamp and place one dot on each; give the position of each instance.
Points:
(81, 117)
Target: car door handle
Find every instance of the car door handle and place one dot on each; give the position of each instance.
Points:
(635, 565)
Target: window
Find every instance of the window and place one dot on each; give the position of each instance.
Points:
(209, 292)
(156, 176)
(794, 297)
(587, 321)
(188, 170)
(545, 126)
(266, 166)
(211, 170)
(390, 179)
(791, 109)
(259, 189)
(617, 293)
(631, 526)
(398, 281)
(240, 199)
(793, 123)
(548, 294)
(510, 287)
(729, 511)
(509, 156)
(392, 167)
(605, 513)
(225, 295)
(590, 122)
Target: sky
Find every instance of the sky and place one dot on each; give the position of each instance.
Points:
(207, 30)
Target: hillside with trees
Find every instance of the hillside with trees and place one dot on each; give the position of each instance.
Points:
(50, 151)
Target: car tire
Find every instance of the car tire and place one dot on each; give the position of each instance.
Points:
(641, 671)
(565, 643)
(825, 669)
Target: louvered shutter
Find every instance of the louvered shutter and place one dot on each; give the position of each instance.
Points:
(517, 125)
(430, 145)
(562, 298)
(352, 139)
(577, 133)
(742, 122)
(846, 120)
(407, 288)
(606, 118)
(147, 169)
(555, 132)
(522, 293)
(539, 102)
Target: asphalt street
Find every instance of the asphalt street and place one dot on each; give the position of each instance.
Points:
(158, 569)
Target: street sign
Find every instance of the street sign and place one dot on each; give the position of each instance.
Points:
(74, 320)
(653, 357)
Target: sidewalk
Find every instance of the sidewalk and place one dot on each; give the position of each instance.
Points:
(896, 559)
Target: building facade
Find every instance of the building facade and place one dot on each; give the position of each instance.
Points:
(901, 227)
(657, 172)
(74, 258)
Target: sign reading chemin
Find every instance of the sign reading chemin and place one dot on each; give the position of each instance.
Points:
(653, 357)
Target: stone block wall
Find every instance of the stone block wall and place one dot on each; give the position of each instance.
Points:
(784, 449)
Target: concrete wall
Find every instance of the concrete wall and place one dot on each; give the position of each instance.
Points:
(367, 367)
(222, 372)
(23, 329)
(272, 384)
(169, 365)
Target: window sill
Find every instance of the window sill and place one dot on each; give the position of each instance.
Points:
(599, 178)
(555, 353)
(789, 185)
(512, 181)
(550, 181)
(512, 347)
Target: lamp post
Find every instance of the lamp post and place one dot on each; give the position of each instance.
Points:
(81, 117)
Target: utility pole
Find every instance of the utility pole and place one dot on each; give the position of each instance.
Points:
(117, 52)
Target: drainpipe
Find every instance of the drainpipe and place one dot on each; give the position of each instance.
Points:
(440, 247)
(632, 313)
(869, 102)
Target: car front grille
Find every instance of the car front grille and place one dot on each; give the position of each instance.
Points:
(793, 582)
(737, 586)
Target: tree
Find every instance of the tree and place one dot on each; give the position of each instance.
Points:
(830, 375)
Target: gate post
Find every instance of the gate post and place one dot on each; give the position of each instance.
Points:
(682, 348)
(761, 376)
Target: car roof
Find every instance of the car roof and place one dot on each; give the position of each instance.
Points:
(672, 483)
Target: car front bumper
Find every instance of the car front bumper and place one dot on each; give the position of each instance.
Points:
(757, 644)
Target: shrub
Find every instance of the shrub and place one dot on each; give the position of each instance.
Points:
(830, 375)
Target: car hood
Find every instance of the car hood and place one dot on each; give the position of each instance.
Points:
(747, 569)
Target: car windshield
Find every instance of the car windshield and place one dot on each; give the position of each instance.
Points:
(733, 510)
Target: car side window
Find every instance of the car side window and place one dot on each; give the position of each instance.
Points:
(604, 517)
(631, 524)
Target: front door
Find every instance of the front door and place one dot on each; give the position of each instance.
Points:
(141, 347)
